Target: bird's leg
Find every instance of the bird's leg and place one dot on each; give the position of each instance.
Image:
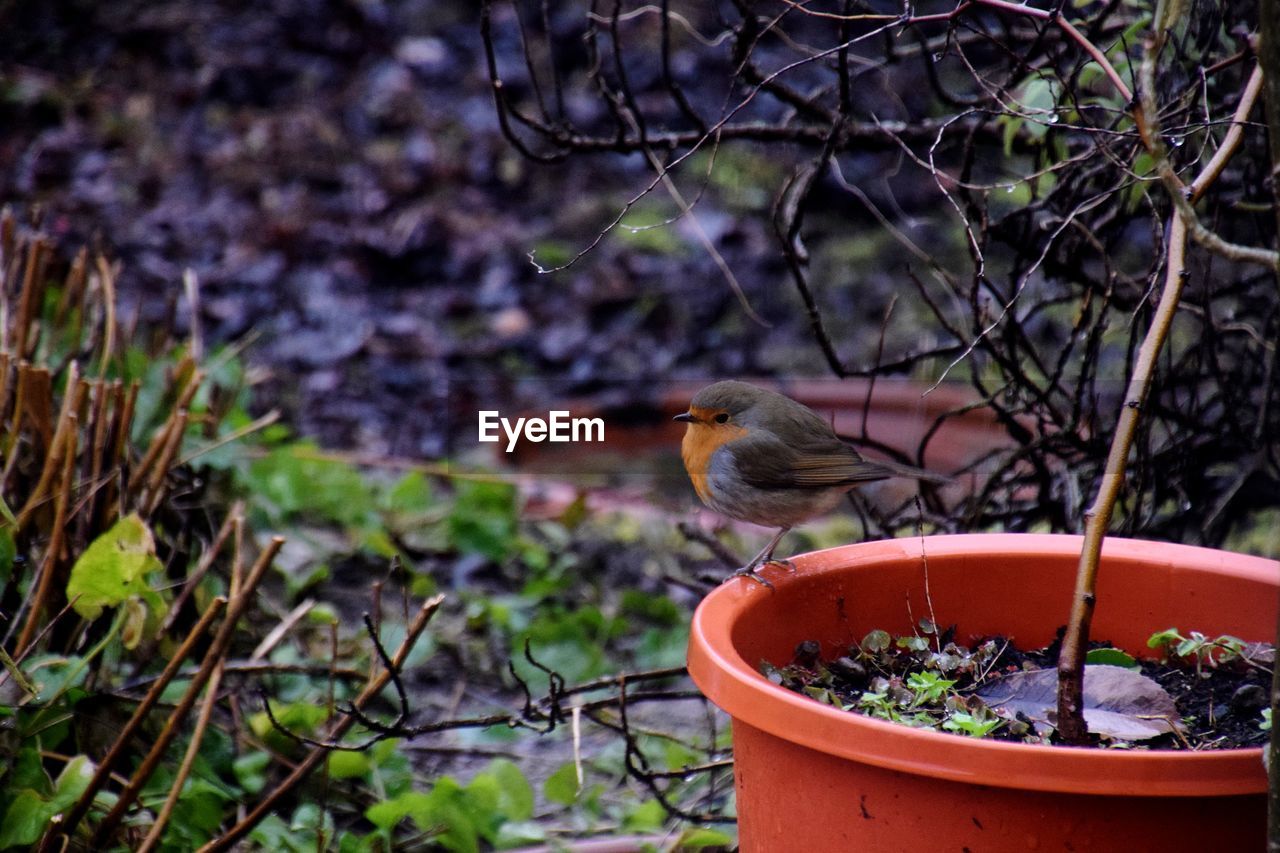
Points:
(763, 558)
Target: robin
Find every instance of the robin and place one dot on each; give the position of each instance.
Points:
(758, 456)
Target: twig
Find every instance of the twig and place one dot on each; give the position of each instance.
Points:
(217, 650)
(267, 804)
(202, 568)
(696, 534)
(235, 435)
(188, 761)
(53, 552)
(1071, 726)
(107, 280)
(276, 634)
(121, 743)
(1178, 192)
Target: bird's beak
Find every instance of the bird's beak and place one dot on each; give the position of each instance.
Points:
(684, 417)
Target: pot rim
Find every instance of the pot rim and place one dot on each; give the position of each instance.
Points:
(734, 685)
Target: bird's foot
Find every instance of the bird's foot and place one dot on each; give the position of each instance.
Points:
(751, 573)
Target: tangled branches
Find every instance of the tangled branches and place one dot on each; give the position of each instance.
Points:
(561, 704)
(1010, 171)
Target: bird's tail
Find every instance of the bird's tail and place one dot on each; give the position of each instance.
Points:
(897, 469)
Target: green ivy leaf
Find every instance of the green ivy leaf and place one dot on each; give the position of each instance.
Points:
(411, 495)
(24, 821)
(197, 815)
(457, 814)
(562, 786)
(483, 519)
(72, 782)
(348, 765)
(250, 770)
(29, 813)
(646, 817)
(300, 718)
(386, 814)
(113, 568)
(273, 834)
(515, 794)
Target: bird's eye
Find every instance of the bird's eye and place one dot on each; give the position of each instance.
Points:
(722, 418)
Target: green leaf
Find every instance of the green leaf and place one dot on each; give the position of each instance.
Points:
(348, 765)
(29, 812)
(349, 842)
(8, 551)
(6, 514)
(524, 833)
(273, 834)
(515, 794)
(701, 838)
(28, 770)
(310, 820)
(971, 725)
(196, 815)
(53, 675)
(646, 817)
(1188, 646)
(677, 756)
(386, 814)
(384, 750)
(299, 480)
(1114, 657)
(483, 519)
(1167, 637)
(875, 641)
(72, 782)
(452, 811)
(562, 786)
(1012, 125)
(410, 495)
(25, 820)
(1039, 98)
(300, 718)
(250, 770)
(914, 644)
(113, 568)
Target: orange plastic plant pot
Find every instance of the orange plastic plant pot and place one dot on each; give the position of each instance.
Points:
(813, 778)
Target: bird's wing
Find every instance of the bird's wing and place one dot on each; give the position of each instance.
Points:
(766, 462)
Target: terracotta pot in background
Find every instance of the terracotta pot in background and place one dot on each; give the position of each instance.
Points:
(813, 778)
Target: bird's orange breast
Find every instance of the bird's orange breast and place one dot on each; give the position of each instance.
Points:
(700, 441)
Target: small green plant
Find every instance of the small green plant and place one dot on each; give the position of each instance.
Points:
(972, 724)
(928, 688)
(912, 679)
(1203, 650)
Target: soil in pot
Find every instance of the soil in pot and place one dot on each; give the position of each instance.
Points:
(1207, 693)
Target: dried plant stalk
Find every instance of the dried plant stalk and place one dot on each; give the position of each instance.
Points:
(122, 742)
(217, 652)
(53, 552)
(339, 729)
